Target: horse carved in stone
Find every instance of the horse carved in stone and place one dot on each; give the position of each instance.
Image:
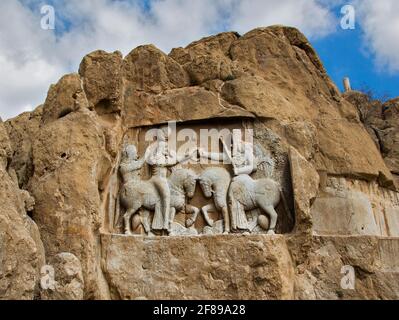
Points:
(237, 195)
(247, 194)
(215, 182)
(142, 194)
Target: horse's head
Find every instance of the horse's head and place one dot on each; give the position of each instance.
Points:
(206, 186)
(213, 179)
(185, 180)
(190, 183)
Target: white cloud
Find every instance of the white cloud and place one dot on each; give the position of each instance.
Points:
(31, 58)
(310, 17)
(380, 23)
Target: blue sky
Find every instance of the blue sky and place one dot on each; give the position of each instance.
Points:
(345, 53)
(32, 58)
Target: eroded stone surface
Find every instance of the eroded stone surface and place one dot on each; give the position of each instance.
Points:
(372, 259)
(208, 267)
(21, 249)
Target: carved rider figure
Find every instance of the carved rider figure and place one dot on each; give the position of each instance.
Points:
(160, 157)
(240, 154)
(130, 165)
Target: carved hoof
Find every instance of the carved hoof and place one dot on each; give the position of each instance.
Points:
(226, 232)
(128, 233)
(271, 232)
(210, 222)
(189, 223)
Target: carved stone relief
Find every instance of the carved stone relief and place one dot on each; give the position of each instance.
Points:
(189, 187)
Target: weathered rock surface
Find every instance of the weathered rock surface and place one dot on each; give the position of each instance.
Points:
(209, 267)
(70, 162)
(382, 122)
(21, 250)
(330, 150)
(350, 207)
(373, 260)
(22, 131)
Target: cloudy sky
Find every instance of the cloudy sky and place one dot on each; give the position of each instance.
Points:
(31, 58)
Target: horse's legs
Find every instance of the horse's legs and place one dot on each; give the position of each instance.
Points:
(157, 220)
(234, 206)
(146, 221)
(172, 212)
(226, 219)
(205, 210)
(127, 216)
(191, 210)
(271, 213)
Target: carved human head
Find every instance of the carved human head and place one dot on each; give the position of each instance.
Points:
(163, 133)
(130, 151)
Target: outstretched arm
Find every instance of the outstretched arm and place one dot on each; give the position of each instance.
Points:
(215, 156)
(129, 166)
(248, 169)
(186, 156)
(248, 165)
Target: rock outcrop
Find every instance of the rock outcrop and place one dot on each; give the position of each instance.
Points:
(335, 157)
(381, 120)
(21, 250)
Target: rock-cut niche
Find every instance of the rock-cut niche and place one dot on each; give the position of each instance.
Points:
(200, 178)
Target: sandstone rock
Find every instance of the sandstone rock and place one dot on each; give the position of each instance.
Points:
(305, 186)
(21, 256)
(63, 98)
(353, 207)
(22, 131)
(208, 267)
(390, 136)
(382, 123)
(148, 69)
(305, 182)
(5, 147)
(102, 80)
(373, 261)
(208, 58)
(344, 213)
(194, 103)
(70, 161)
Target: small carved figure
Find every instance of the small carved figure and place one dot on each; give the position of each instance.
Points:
(215, 182)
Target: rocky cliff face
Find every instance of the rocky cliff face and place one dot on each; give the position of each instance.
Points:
(336, 158)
